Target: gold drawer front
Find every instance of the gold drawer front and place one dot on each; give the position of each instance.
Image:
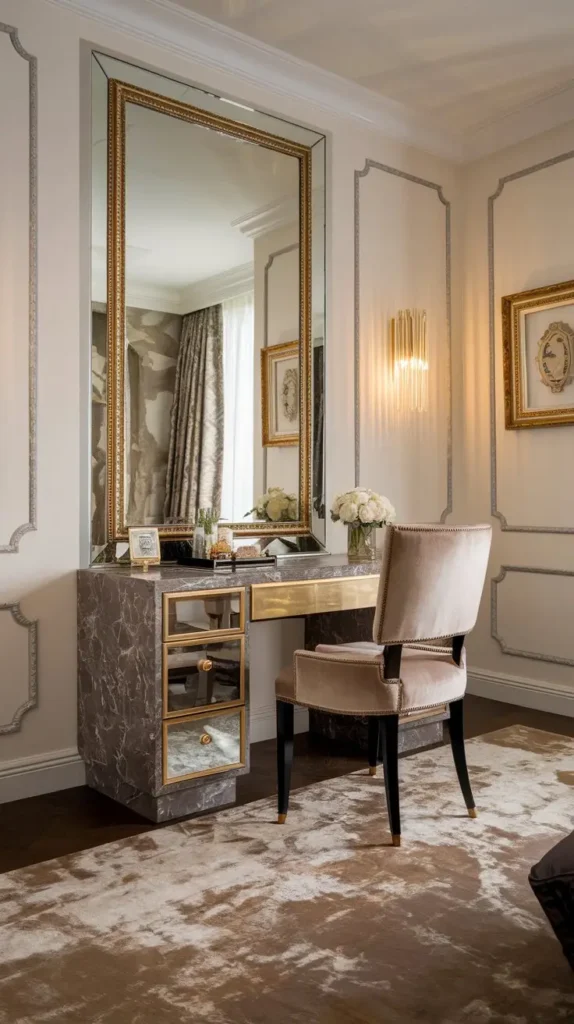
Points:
(197, 745)
(309, 597)
(199, 674)
(193, 612)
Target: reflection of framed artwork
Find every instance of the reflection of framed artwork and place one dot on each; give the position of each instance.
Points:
(538, 352)
(144, 545)
(280, 387)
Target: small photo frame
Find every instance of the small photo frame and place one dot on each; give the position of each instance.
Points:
(280, 394)
(144, 545)
(538, 355)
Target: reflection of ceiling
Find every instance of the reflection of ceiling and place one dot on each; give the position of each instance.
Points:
(188, 191)
(463, 62)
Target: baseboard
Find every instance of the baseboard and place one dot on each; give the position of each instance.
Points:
(529, 693)
(32, 776)
(263, 724)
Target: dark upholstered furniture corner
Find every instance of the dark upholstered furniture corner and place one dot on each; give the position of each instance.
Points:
(552, 881)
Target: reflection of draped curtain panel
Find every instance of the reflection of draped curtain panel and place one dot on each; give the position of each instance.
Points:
(318, 428)
(237, 487)
(195, 463)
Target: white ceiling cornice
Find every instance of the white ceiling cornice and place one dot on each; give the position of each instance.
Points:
(191, 36)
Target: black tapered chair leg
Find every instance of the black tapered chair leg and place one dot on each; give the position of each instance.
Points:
(373, 747)
(285, 715)
(456, 731)
(390, 730)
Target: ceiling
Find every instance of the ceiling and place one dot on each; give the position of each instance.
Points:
(461, 63)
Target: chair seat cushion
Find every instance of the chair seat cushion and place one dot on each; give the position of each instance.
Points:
(429, 678)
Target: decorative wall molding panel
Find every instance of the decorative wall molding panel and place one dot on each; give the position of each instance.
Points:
(32, 697)
(16, 335)
(493, 313)
(494, 627)
(359, 175)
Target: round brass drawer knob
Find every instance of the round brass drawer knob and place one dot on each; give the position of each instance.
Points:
(205, 738)
(205, 665)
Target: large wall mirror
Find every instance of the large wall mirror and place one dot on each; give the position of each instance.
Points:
(208, 303)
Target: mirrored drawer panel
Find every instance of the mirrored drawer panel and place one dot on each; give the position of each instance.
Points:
(200, 674)
(203, 744)
(203, 611)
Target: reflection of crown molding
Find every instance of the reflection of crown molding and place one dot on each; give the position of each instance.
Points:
(269, 218)
(219, 288)
(196, 38)
(212, 290)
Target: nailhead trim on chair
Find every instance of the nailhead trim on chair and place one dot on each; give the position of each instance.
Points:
(337, 711)
(378, 661)
(439, 528)
(385, 587)
(413, 528)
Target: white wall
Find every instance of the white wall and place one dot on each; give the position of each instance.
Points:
(41, 576)
(533, 224)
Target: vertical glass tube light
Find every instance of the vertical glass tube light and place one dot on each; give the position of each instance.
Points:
(409, 360)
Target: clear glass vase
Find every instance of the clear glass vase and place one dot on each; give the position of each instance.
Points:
(361, 543)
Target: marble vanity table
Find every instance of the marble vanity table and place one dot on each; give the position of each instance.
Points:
(164, 672)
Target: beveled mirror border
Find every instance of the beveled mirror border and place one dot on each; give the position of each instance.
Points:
(120, 93)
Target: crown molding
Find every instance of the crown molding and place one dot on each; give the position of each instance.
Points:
(194, 37)
(541, 115)
(268, 218)
(230, 284)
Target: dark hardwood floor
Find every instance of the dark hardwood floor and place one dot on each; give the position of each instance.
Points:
(76, 819)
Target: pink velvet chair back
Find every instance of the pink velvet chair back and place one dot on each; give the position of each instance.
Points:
(432, 579)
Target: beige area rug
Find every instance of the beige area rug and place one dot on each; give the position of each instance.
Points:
(233, 919)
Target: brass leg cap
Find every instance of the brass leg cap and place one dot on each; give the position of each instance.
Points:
(281, 819)
(472, 812)
(373, 771)
(396, 840)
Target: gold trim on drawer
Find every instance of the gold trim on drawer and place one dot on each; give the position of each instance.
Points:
(308, 597)
(192, 595)
(201, 709)
(182, 720)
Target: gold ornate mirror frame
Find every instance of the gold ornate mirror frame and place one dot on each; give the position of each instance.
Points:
(120, 93)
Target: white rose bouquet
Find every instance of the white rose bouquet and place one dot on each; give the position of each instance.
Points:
(362, 507)
(276, 506)
(362, 510)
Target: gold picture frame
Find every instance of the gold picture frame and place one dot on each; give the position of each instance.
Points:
(119, 95)
(144, 545)
(538, 356)
(280, 401)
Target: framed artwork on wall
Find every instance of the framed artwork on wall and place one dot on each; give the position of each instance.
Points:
(538, 356)
(280, 391)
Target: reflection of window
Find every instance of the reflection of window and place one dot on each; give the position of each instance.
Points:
(238, 368)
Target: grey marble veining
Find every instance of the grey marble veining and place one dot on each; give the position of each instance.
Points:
(177, 577)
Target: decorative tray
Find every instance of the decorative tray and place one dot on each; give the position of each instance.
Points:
(228, 564)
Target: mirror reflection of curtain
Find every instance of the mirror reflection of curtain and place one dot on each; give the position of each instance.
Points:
(318, 428)
(238, 371)
(195, 461)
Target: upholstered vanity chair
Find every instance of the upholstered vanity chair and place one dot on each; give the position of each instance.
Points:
(430, 588)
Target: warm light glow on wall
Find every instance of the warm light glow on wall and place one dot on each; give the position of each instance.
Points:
(409, 360)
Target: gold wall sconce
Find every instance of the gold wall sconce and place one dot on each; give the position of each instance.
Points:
(409, 360)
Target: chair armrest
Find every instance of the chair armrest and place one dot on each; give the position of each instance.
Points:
(344, 683)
